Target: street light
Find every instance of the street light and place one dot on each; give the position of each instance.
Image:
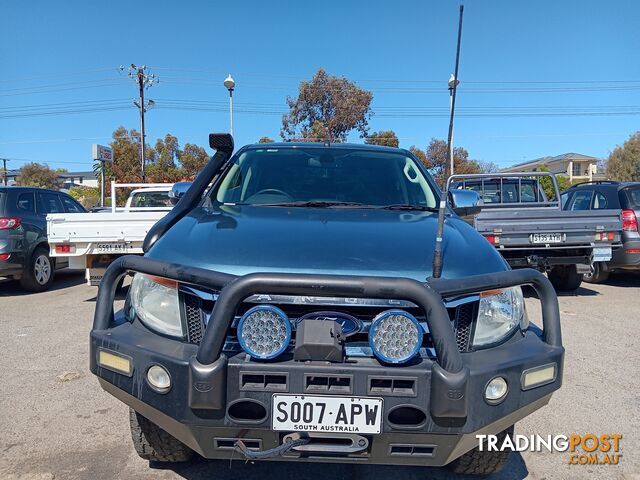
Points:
(230, 84)
(453, 83)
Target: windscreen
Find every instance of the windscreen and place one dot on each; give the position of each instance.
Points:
(289, 175)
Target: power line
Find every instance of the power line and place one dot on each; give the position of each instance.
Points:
(30, 160)
(199, 102)
(67, 84)
(209, 73)
(65, 112)
(56, 90)
(530, 135)
(52, 140)
(389, 112)
(58, 75)
(414, 90)
(64, 104)
(409, 81)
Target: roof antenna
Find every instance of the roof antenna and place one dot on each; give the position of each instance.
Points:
(437, 252)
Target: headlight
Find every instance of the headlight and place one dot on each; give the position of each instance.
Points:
(395, 336)
(155, 302)
(499, 313)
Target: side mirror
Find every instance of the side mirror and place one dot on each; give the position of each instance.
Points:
(177, 191)
(465, 202)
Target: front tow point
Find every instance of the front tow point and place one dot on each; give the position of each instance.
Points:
(208, 384)
(324, 442)
(449, 399)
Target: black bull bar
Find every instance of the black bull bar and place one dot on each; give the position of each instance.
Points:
(448, 397)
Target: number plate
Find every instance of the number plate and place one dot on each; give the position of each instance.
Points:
(601, 254)
(546, 238)
(305, 413)
(112, 248)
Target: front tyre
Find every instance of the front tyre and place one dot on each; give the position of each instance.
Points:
(476, 462)
(153, 443)
(38, 273)
(565, 278)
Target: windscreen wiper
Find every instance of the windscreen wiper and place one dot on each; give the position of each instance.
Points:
(407, 206)
(313, 204)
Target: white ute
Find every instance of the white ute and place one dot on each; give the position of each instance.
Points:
(92, 241)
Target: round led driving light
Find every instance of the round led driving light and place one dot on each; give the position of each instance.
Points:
(159, 379)
(264, 332)
(496, 390)
(395, 336)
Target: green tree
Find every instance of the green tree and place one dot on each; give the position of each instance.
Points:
(87, 196)
(266, 140)
(386, 138)
(437, 160)
(624, 162)
(166, 162)
(162, 165)
(419, 153)
(37, 175)
(488, 166)
(126, 153)
(327, 108)
(125, 167)
(547, 184)
(192, 159)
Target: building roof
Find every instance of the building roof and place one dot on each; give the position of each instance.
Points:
(551, 160)
(88, 174)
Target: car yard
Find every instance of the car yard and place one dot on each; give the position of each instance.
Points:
(58, 423)
(408, 250)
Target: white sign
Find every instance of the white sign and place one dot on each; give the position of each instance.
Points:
(102, 153)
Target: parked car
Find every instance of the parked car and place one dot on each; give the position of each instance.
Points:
(93, 240)
(621, 196)
(24, 251)
(288, 312)
(531, 230)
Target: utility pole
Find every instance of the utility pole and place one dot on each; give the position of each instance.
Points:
(144, 80)
(453, 87)
(4, 164)
(230, 84)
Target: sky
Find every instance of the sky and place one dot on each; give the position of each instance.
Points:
(536, 78)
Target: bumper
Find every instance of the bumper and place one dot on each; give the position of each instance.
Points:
(623, 259)
(206, 385)
(13, 266)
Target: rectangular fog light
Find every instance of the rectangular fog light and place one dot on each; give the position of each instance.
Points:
(116, 362)
(538, 376)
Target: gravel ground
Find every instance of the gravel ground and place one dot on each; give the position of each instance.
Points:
(55, 421)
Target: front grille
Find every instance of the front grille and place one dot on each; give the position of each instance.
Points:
(464, 315)
(197, 310)
(194, 318)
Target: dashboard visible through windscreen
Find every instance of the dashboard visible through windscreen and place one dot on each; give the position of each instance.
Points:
(270, 176)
